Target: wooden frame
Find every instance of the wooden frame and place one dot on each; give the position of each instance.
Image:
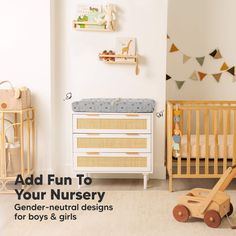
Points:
(135, 62)
(23, 124)
(203, 119)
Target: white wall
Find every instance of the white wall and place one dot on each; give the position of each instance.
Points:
(197, 27)
(25, 60)
(78, 69)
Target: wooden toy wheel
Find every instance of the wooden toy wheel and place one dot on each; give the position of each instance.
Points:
(231, 210)
(181, 213)
(212, 219)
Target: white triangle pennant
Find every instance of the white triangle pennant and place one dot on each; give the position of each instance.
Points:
(185, 58)
(194, 76)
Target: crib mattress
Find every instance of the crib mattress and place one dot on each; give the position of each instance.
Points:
(211, 146)
(114, 105)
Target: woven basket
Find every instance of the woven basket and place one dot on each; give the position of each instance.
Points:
(14, 98)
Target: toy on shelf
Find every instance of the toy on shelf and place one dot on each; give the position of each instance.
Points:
(210, 205)
(99, 18)
(107, 53)
(112, 59)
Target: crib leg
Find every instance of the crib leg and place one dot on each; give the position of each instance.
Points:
(170, 183)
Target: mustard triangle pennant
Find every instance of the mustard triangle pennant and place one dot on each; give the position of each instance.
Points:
(224, 67)
(217, 76)
(185, 58)
(193, 76)
(200, 60)
(173, 48)
(201, 75)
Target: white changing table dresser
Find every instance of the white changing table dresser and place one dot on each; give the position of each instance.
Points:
(113, 143)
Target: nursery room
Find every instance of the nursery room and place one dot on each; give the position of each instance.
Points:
(117, 117)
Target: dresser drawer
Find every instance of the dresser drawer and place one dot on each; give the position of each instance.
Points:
(111, 143)
(112, 123)
(112, 161)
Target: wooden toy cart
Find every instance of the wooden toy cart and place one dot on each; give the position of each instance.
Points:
(210, 205)
(17, 147)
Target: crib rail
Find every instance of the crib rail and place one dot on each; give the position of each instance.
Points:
(209, 131)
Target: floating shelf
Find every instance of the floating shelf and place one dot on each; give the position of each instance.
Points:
(76, 25)
(123, 61)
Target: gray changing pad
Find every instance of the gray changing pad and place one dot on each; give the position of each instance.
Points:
(114, 105)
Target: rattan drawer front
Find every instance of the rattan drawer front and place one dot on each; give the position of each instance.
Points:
(117, 161)
(112, 161)
(111, 143)
(118, 123)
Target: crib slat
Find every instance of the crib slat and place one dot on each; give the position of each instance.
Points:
(228, 128)
(221, 121)
(206, 127)
(197, 142)
(225, 139)
(179, 161)
(234, 144)
(216, 146)
(189, 119)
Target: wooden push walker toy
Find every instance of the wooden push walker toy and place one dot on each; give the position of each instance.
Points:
(210, 205)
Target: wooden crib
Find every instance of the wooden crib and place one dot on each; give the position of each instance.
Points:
(207, 142)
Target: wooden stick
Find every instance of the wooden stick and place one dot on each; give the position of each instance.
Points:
(206, 127)
(225, 140)
(234, 142)
(216, 145)
(197, 142)
(169, 141)
(117, 56)
(28, 143)
(22, 143)
(189, 147)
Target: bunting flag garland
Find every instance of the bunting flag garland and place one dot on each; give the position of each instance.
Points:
(185, 58)
(200, 60)
(216, 54)
(179, 83)
(168, 77)
(224, 67)
(231, 71)
(217, 76)
(194, 76)
(173, 48)
(201, 75)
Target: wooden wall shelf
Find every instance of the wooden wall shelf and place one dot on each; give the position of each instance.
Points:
(135, 60)
(76, 25)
